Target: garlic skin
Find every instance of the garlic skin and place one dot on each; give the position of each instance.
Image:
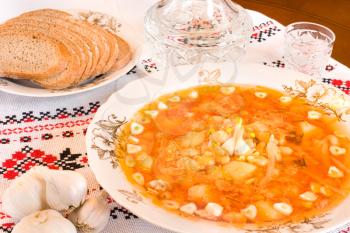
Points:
(46, 221)
(92, 216)
(25, 195)
(65, 190)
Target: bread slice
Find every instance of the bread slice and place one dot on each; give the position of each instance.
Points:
(31, 54)
(85, 37)
(96, 33)
(125, 54)
(114, 52)
(68, 76)
(76, 65)
(91, 39)
(54, 29)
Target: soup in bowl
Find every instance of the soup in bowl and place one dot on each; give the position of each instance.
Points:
(236, 154)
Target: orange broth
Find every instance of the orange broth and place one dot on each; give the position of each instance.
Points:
(183, 148)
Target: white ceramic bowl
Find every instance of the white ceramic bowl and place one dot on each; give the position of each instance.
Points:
(123, 104)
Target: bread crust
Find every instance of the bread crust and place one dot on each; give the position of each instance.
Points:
(125, 54)
(76, 38)
(56, 31)
(114, 52)
(62, 51)
(92, 39)
(96, 32)
(75, 67)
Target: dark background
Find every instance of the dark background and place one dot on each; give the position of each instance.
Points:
(334, 14)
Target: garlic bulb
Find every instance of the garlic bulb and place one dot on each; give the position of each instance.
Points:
(65, 190)
(92, 216)
(25, 195)
(47, 221)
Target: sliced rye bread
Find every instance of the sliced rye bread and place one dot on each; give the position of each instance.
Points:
(73, 70)
(125, 54)
(95, 32)
(93, 48)
(24, 55)
(111, 50)
(67, 79)
(114, 52)
(53, 29)
(92, 41)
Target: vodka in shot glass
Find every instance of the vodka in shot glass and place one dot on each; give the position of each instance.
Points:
(308, 47)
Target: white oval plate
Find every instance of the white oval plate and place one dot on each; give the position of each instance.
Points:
(27, 88)
(123, 104)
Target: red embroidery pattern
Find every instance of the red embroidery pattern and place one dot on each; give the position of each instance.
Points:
(342, 85)
(7, 227)
(49, 127)
(22, 161)
(264, 31)
(61, 113)
(4, 216)
(46, 136)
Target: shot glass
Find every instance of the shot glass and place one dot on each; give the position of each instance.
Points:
(308, 47)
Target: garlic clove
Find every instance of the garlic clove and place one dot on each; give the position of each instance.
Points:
(250, 212)
(189, 208)
(92, 216)
(285, 99)
(227, 90)
(335, 172)
(162, 106)
(25, 195)
(152, 113)
(136, 128)
(308, 196)
(261, 95)
(175, 99)
(229, 145)
(133, 139)
(159, 185)
(133, 149)
(336, 150)
(64, 189)
(138, 178)
(214, 209)
(193, 95)
(314, 115)
(283, 208)
(44, 221)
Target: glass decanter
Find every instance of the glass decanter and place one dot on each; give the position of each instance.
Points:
(183, 32)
